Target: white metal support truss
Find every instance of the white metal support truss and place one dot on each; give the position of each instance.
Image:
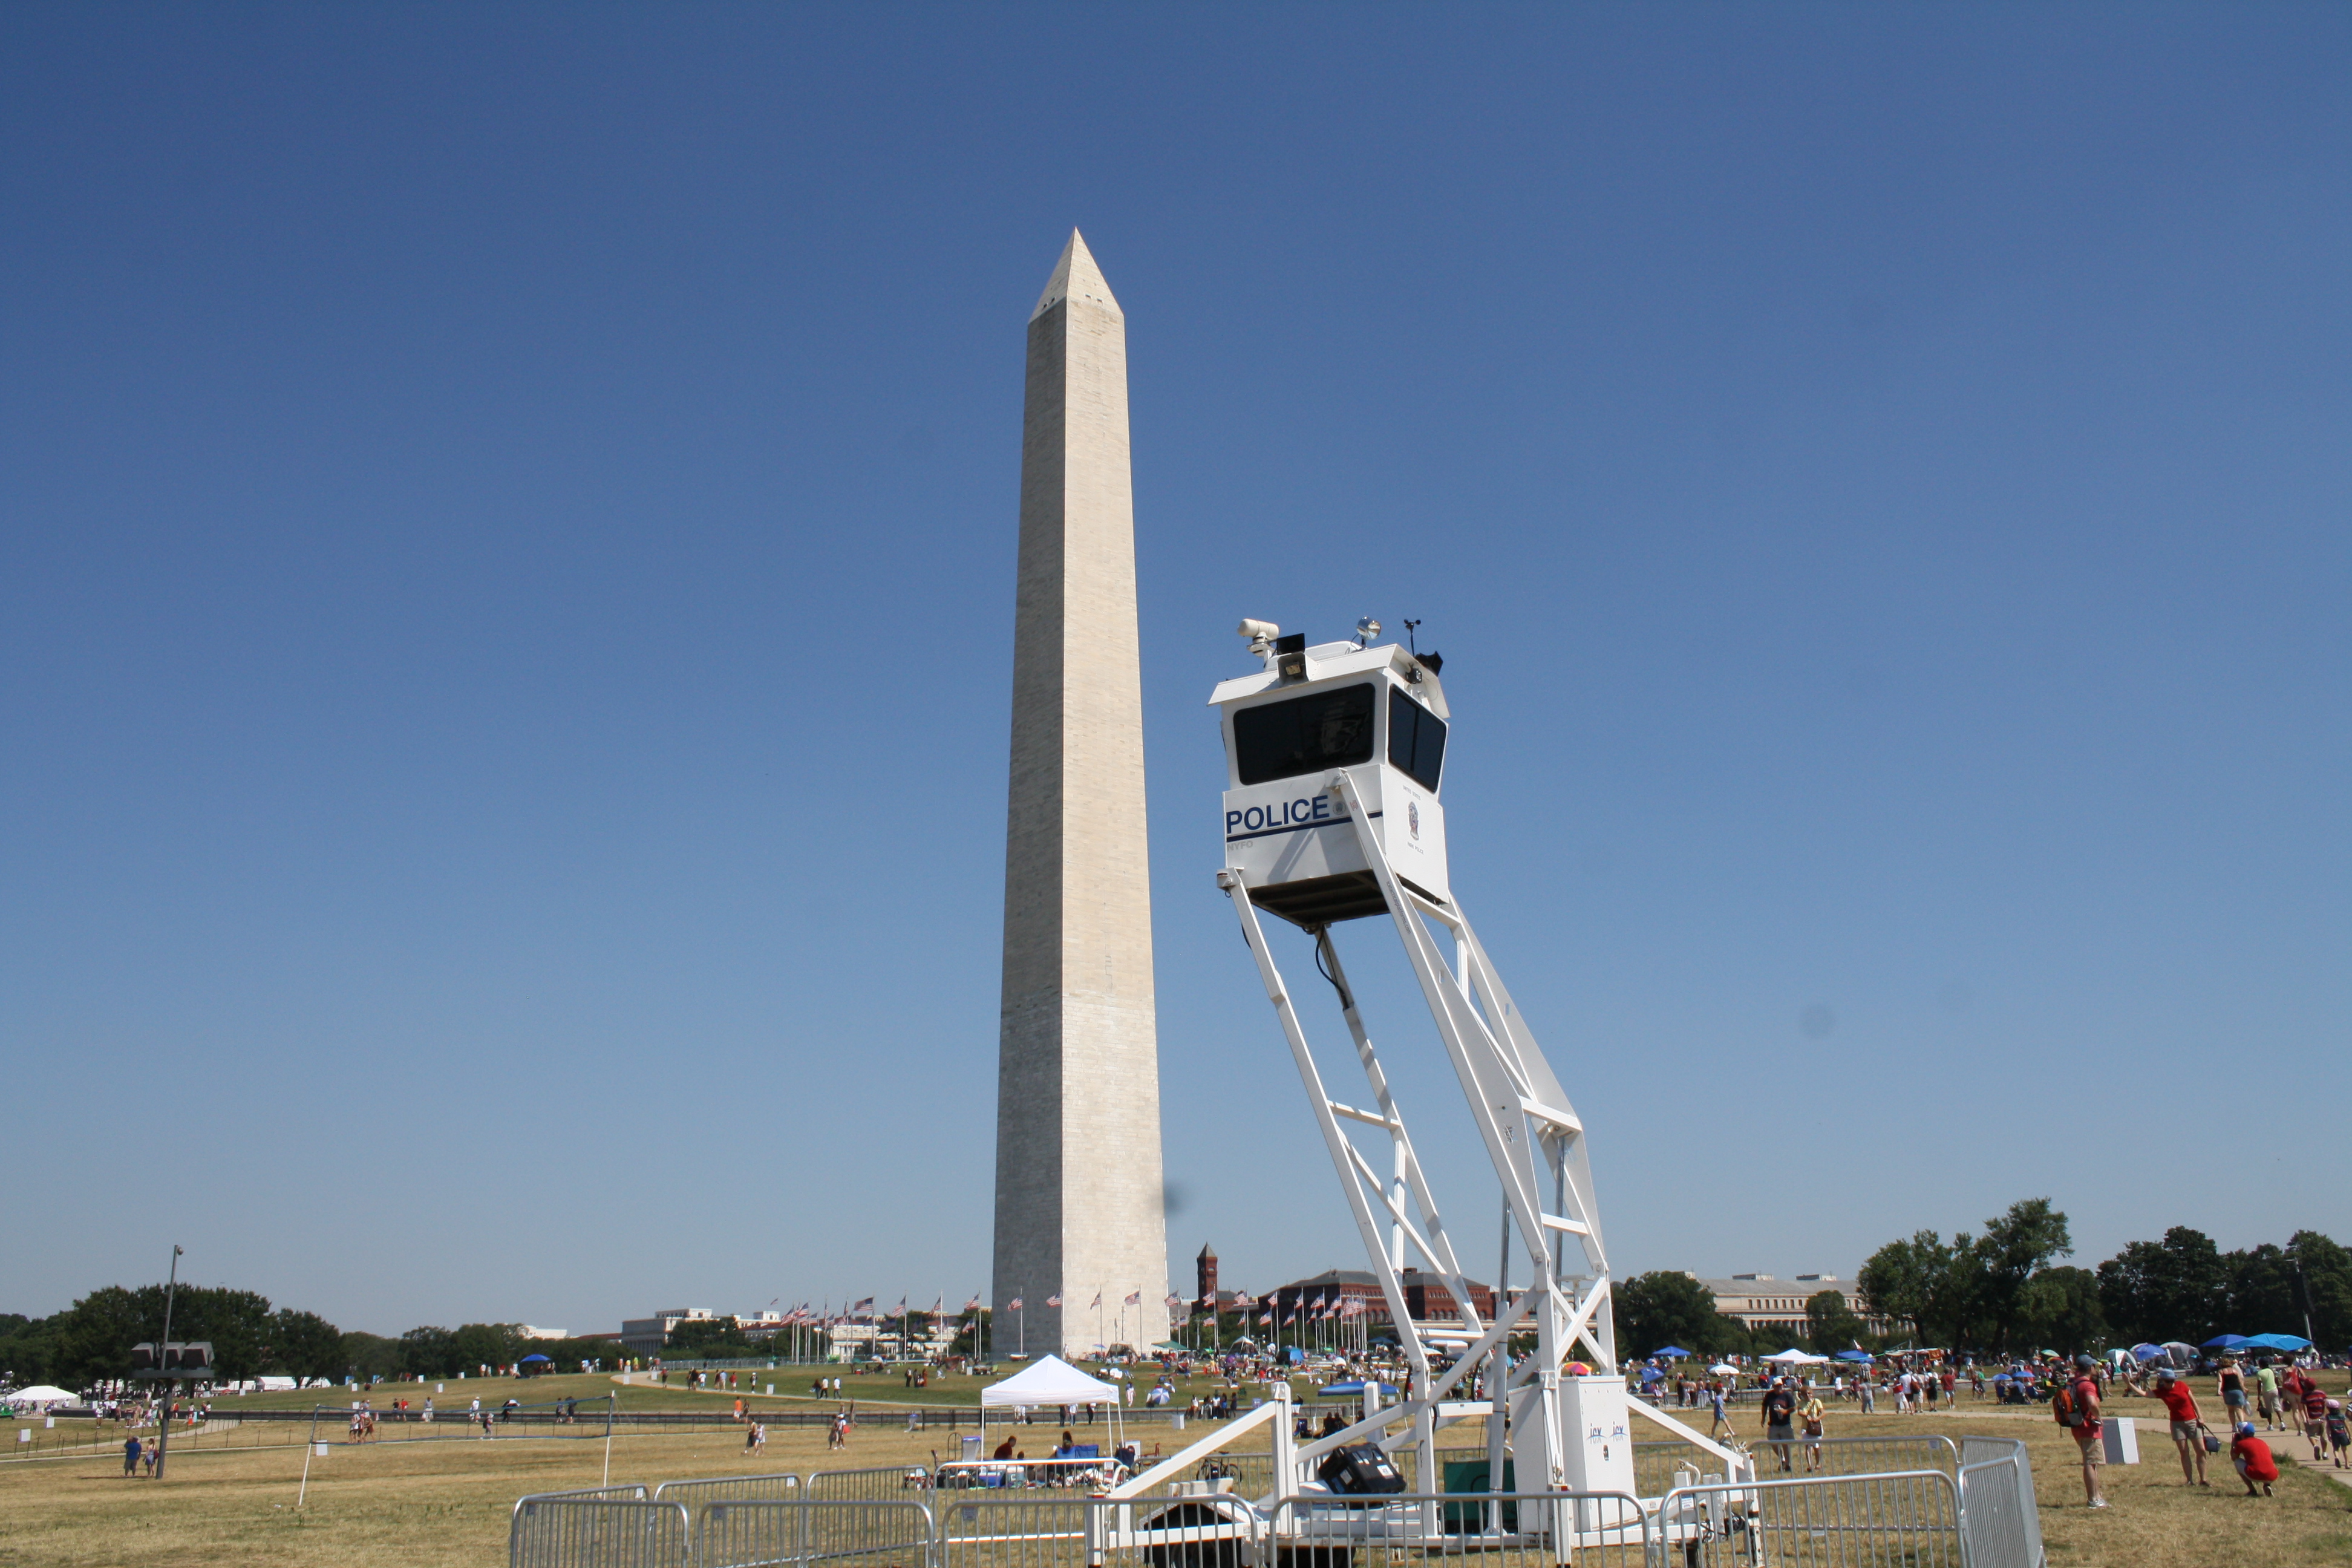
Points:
(1533, 1139)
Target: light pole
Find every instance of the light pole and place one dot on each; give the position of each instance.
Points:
(164, 1418)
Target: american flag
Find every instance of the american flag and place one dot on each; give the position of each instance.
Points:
(1174, 1300)
(974, 1305)
(1135, 1298)
(864, 1304)
(1013, 1305)
(1053, 1300)
(1097, 1300)
(1242, 1302)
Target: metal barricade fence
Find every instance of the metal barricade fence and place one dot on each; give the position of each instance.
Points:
(559, 1531)
(772, 1487)
(1906, 1518)
(761, 1532)
(876, 1483)
(1518, 1529)
(1854, 1457)
(1998, 1510)
(981, 1531)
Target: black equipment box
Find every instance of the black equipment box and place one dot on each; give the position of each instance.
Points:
(1360, 1471)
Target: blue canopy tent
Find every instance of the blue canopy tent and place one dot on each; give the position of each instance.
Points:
(2144, 1354)
(1672, 1352)
(2224, 1343)
(2275, 1343)
(1861, 1356)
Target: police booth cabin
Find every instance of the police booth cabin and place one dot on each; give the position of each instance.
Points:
(1379, 714)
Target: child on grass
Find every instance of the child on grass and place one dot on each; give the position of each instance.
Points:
(2254, 1458)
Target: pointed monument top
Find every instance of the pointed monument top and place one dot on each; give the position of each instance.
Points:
(1077, 276)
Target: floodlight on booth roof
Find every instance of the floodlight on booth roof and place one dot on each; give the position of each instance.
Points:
(1261, 635)
(1366, 630)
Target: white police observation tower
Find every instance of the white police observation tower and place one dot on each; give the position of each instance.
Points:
(1335, 770)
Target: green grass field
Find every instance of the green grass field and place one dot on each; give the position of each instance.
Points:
(642, 1393)
(447, 1502)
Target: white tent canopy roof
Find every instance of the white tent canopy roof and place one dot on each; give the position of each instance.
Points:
(1795, 1357)
(44, 1394)
(1049, 1380)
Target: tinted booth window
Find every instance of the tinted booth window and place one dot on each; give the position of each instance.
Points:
(1416, 740)
(1327, 730)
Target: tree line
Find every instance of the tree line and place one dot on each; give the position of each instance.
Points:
(2001, 1291)
(93, 1340)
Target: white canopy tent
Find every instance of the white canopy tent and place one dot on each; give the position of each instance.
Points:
(1795, 1357)
(1050, 1380)
(41, 1393)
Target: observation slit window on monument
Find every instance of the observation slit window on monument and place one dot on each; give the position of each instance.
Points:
(1324, 730)
(1416, 740)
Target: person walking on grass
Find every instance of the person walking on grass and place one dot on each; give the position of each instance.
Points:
(1780, 1408)
(2339, 1430)
(130, 1455)
(2254, 1458)
(2076, 1407)
(2266, 1395)
(2314, 1419)
(2230, 1383)
(1810, 1417)
(2188, 1431)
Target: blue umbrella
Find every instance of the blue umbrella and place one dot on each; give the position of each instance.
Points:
(1672, 1352)
(1651, 1374)
(534, 1357)
(2147, 1353)
(2224, 1343)
(1853, 1355)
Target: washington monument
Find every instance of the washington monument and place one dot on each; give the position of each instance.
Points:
(1077, 1086)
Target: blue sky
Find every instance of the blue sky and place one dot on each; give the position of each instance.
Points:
(506, 540)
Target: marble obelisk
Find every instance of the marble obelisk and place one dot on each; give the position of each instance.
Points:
(1079, 1186)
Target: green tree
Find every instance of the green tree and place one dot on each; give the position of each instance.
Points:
(28, 1349)
(302, 1345)
(709, 1339)
(365, 1356)
(477, 1345)
(2176, 1289)
(2003, 1262)
(427, 1351)
(1669, 1307)
(1830, 1325)
(2326, 1279)
(2058, 1308)
(1914, 1282)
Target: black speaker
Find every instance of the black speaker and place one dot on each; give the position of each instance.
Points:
(1359, 1471)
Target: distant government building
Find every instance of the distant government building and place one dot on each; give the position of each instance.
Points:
(1761, 1301)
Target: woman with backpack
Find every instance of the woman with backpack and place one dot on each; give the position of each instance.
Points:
(2075, 1406)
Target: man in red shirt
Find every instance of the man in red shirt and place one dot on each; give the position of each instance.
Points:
(2188, 1431)
(2254, 1458)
